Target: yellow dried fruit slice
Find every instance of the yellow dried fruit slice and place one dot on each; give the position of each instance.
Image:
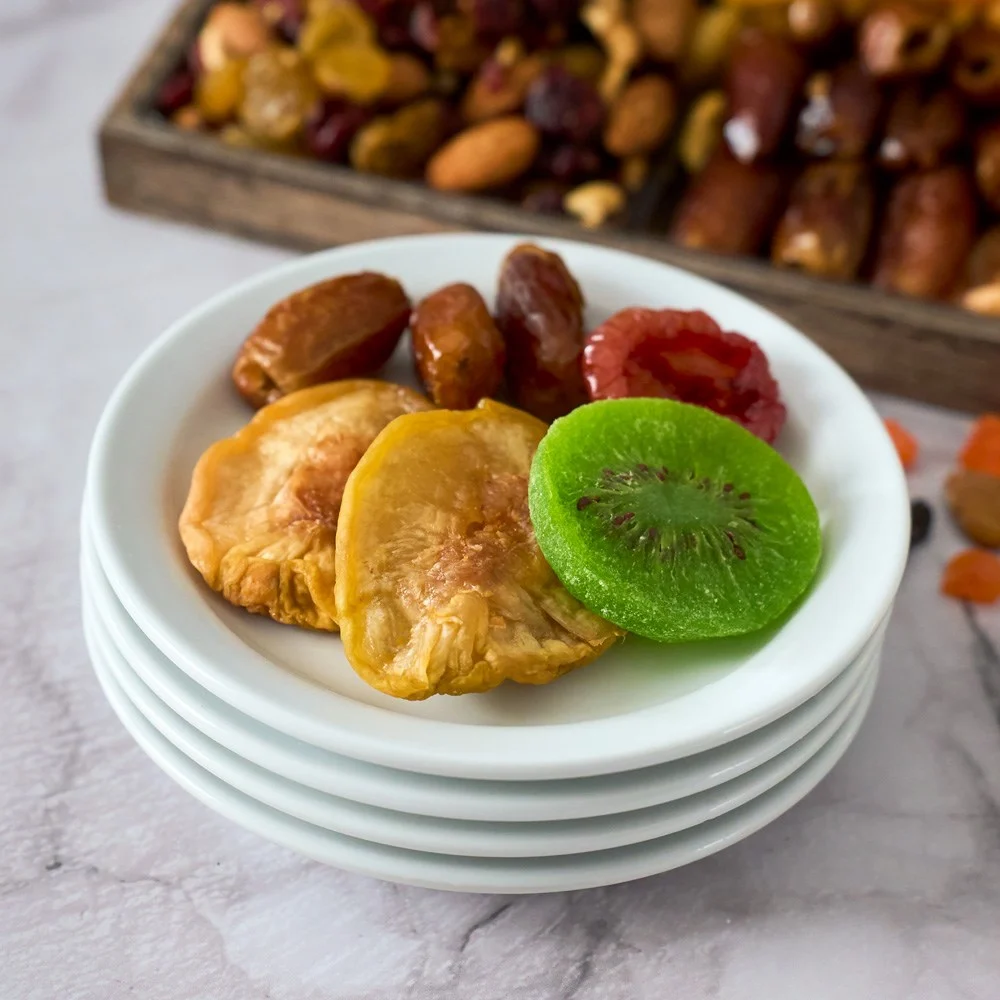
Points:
(260, 520)
(441, 587)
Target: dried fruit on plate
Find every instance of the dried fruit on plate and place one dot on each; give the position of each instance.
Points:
(670, 521)
(974, 499)
(260, 519)
(981, 451)
(339, 328)
(928, 231)
(539, 311)
(906, 445)
(685, 356)
(972, 575)
(458, 349)
(441, 587)
(828, 220)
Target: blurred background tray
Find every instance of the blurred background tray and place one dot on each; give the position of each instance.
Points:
(927, 351)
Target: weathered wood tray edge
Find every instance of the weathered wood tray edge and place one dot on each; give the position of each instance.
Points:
(926, 351)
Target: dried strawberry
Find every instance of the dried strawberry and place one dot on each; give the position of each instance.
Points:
(981, 452)
(685, 356)
(972, 575)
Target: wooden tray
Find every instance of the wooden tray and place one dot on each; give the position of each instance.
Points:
(927, 351)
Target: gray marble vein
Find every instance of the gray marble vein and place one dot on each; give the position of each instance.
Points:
(884, 882)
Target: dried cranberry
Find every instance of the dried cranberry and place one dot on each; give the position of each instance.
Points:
(176, 91)
(563, 105)
(570, 163)
(496, 18)
(686, 356)
(392, 17)
(330, 129)
(546, 199)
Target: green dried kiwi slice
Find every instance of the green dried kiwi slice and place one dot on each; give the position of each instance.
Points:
(671, 521)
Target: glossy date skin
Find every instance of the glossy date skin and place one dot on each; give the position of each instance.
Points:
(923, 127)
(539, 312)
(457, 347)
(841, 114)
(927, 234)
(340, 328)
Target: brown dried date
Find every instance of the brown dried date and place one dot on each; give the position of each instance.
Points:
(457, 347)
(928, 231)
(841, 113)
(977, 67)
(729, 207)
(923, 127)
(763, 86)
(339, 328)
(988, 164)
(828, 220)
(900, 39)
(540, 313)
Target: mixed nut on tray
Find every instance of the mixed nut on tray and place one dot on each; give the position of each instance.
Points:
(850, 139)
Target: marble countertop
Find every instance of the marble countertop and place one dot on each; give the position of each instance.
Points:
(884, 882)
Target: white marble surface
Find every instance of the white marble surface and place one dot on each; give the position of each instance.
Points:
(885, 882)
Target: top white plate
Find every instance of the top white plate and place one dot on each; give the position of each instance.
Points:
(640, 704)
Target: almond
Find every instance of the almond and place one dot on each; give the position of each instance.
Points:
(409, 79)
(484, 156)
(642, 116)
(232, 31)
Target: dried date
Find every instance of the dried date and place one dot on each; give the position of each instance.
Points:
(924, 126)
(540, 314)
(340, 328)
(841, 113)
(457, 347)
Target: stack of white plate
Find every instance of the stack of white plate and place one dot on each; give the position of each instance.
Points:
(647, 759)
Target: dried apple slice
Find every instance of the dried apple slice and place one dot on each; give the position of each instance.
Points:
(441, 587)
(260, 520)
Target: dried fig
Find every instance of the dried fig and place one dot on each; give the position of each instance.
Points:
(828, 220)
(929, 228)
(900, 39)
(988, 164)
(976, 72)
(763, 87)
(539, 311)
(484, 156)
(642, 117)
(336, 329)
(974, 500)
(457, 347)
(841, 113)
(730, 207)
(924, 126)
(260, 520)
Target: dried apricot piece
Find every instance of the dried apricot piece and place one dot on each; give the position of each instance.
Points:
(972, 575)
(260, 519)
(907, 446)
(441, 586)
(981, 452)
(974, 499)
(685, 356)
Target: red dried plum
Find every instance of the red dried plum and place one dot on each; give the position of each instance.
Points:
(686, 356)
(563, 105)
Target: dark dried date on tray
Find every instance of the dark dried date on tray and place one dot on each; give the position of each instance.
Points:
(540, 314)
(340, 328)
(763, 87)
(457, 347)
(923, 127)
(828, 220)
(729, 207)
(927, 233)
(841, 113)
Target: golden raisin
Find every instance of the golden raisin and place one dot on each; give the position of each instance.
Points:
(218, 92)
(357, 73)
(280, 93)
(342, 24)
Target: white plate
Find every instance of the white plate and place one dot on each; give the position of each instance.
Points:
(452, 798)
(492, 875)
(460, 837)
(642, 703)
